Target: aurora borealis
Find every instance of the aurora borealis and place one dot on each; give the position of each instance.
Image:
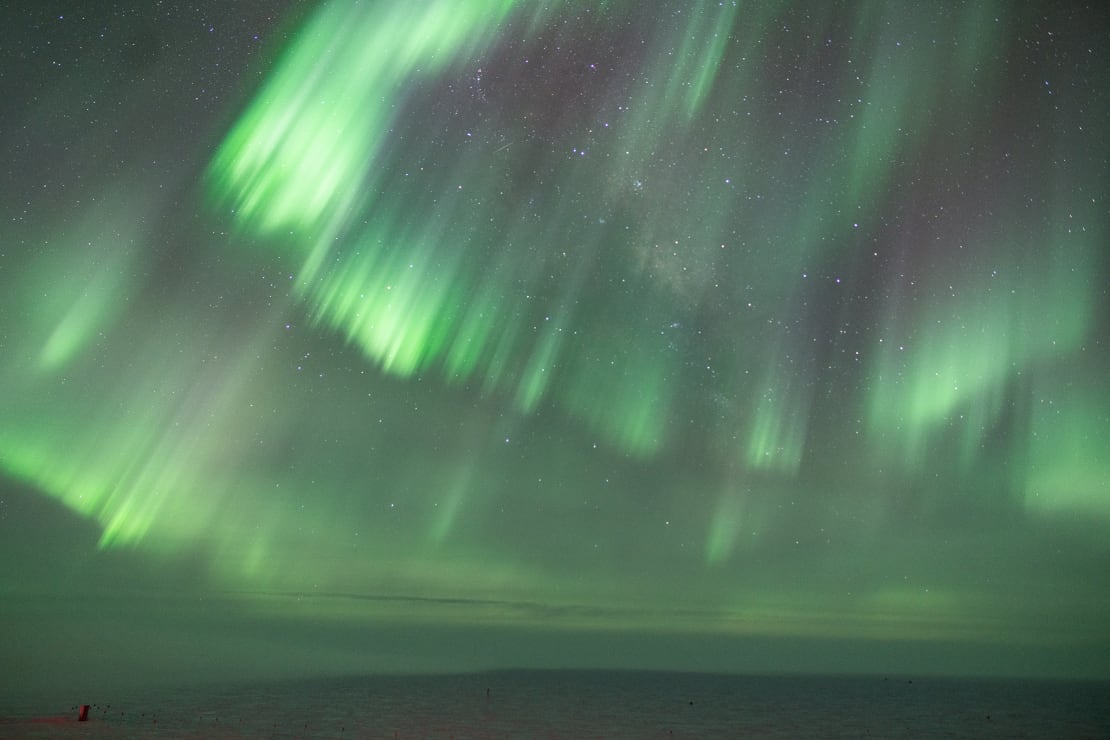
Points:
(484, 333)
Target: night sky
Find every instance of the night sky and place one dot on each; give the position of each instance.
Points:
(347, 337)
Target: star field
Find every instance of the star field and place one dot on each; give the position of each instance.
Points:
(724, 321)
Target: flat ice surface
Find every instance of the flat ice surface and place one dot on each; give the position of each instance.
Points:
(572, 704)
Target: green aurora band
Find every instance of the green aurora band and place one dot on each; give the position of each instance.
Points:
(627, 273)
